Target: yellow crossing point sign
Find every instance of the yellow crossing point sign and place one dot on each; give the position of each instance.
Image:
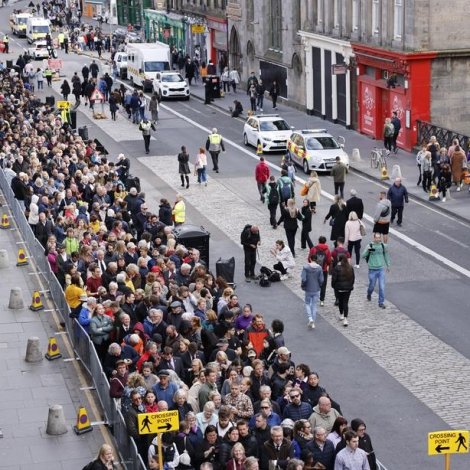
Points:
(448, 442)
(64, 105)
(155, 423)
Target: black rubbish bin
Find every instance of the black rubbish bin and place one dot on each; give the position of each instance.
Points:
(100, 147)
(215, 85)
(73, 119)
(83, 132)
(194, 236)
(50, 100)
(226, 269)
(9, 64)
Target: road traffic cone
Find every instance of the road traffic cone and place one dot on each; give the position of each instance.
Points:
(22, 260)
(259, 149)
(434, 193)
(53, 351)
(384, 173)
(5, 222)
(36, 303)
(83, 423)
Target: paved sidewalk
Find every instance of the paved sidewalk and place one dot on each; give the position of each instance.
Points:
(457, 202)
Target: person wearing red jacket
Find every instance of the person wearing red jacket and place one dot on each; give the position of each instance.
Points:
(262, 176)
(322, 250)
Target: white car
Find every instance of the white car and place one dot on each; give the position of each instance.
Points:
(39, 50)
(170, 85)
(269, 130)
(316, 149)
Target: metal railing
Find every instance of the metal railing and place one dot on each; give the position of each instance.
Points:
(444, 136)
(82, 345)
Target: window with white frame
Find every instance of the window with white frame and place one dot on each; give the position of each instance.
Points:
(355, 16)
(398, 19)
(375, 17)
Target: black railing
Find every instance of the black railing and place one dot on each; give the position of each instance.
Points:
(444, 136)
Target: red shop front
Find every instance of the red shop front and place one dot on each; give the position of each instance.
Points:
(392, 81)
(218, 39)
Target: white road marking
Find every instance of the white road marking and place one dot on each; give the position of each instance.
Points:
(190, 108)
(441, 259)
(451, 239)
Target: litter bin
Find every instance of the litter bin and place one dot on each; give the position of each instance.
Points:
(83, 132)
(73, 119)
(215, 88)
(194, 236)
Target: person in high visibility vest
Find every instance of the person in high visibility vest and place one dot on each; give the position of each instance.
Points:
(215, 144)
(60, 38)
(179, 211)
(6, 43)
(48, 75)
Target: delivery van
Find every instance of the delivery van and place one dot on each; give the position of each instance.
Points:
(144, 61)
(37, 28)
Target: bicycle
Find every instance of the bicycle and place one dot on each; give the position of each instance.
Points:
(378, 158)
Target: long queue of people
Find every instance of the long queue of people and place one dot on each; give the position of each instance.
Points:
(170, 335)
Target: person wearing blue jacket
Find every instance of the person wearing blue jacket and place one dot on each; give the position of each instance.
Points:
(397, 195)
(311, 282)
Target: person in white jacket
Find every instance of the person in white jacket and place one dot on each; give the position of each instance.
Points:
(285, 260)
(33, 217)
(353, 236)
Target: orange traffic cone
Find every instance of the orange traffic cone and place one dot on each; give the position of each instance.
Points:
(384, 173)
(259, 149)
(5, 222)
(22, 260)
(36, 303)
(53, 351)
(83, 423)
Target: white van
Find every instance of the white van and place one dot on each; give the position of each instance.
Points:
(37, 28)
(121, 63)
(144, 61)
(18, 23)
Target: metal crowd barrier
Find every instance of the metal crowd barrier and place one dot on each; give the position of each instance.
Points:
(83, 346)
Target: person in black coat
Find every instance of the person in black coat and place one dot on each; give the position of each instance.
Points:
(365, 443)
(306, 225)
(339, 215)
(355, 204)
(342, 282)
(19, 188)
(289, 216)
(322, 449)
(44, 229)
(183, 166)
(164, 213)
(65, 90)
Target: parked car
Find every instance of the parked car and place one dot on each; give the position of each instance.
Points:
(269, 130)
(316, 149)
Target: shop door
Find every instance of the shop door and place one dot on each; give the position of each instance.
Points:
(341, 93)
(368, 109)
(317, 71)
(328, 87)
(397, 103)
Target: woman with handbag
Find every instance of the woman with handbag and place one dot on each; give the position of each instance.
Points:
(354, 230)
(338, 216)
(314, 191)
(183, 166)
(289, 216)
(200, 166)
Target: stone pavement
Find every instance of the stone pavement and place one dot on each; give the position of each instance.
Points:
(28, 389)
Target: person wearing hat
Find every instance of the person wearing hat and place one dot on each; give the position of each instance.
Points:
(175, 314)
(165, 390)
(223, 345)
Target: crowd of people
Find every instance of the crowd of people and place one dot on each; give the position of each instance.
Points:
(170, 335)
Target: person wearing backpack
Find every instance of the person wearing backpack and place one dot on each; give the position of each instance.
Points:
(104, 461)
(322, 252)
(250, 239)
(285, 187)
(272, 198)
(377, 257)
(311, 282)
(289, 216)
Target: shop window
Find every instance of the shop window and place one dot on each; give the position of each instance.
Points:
(370, 71)
(398, 19)
(375, 17)
(276, 25)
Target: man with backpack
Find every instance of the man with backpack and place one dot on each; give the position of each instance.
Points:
(272, 198)
(377, 257)
(250, 240)
(285, 187)
(322, 252)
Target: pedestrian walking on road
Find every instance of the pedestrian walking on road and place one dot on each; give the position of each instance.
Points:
(306, 225)
(338, 172)
(342, 281)
(272, 199)
(183, 166)
(338, 216)
(65, 90)
(382, 215)
(311, 282)
(250, 240)
(354, 203)
(214, 145)
(262, 174)
(113, 106)
(353, 235)
(201, 166)
(397, 195)
(322, 251)
(145, 127)
(154, 108)
(377, 258)
(289, 217)
(314, 191)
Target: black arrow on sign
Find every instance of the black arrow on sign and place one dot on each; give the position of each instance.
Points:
(167, 426)
(439, 448)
